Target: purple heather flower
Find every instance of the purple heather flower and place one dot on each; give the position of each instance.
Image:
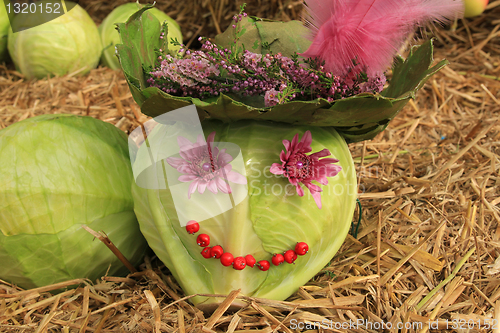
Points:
(205, 166)
(301, 168)
(271, 97)
(374, 84)
(198, 75)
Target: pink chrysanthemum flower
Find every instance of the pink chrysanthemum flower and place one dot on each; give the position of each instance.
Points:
(205, 166)
(301, 168)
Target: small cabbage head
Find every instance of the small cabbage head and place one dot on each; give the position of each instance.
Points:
(110, 36)
(60, 172)
(70, 43)
(263, 217)
(4, 32)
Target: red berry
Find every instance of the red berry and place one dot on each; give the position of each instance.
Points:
(203, 240)
(290, 256)
(301, 248)
(192, 227)
(206, 253)
(263, 265)
(277, 259)
(226, 259)
(239, 263)
(250, 260)
(216, 251)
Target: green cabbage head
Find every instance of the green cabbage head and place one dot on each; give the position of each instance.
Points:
(264, 217)
(60, 172)
(4, 32)
(70, 43)
(120, 14)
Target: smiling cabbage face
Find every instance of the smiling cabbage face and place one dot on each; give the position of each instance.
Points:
(265, 217)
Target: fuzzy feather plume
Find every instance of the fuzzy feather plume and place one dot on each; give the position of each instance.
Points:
(368, 31)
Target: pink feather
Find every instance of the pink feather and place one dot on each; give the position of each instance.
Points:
(368, 31)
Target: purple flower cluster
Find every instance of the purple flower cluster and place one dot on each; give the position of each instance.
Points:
(271, 97)
(373, 84)
(190, 76)
(274, 77)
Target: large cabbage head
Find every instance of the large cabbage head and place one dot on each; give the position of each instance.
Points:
(120, 14)
(70, 43)
(4, 32)
(260, 217)
(60, 172)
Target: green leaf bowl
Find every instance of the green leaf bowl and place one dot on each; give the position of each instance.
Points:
(356, 118)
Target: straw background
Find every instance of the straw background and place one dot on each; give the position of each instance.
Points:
(428, 248)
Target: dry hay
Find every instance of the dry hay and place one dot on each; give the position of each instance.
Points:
(428, 247)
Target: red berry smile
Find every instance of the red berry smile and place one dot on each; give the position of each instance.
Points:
(239, 263)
